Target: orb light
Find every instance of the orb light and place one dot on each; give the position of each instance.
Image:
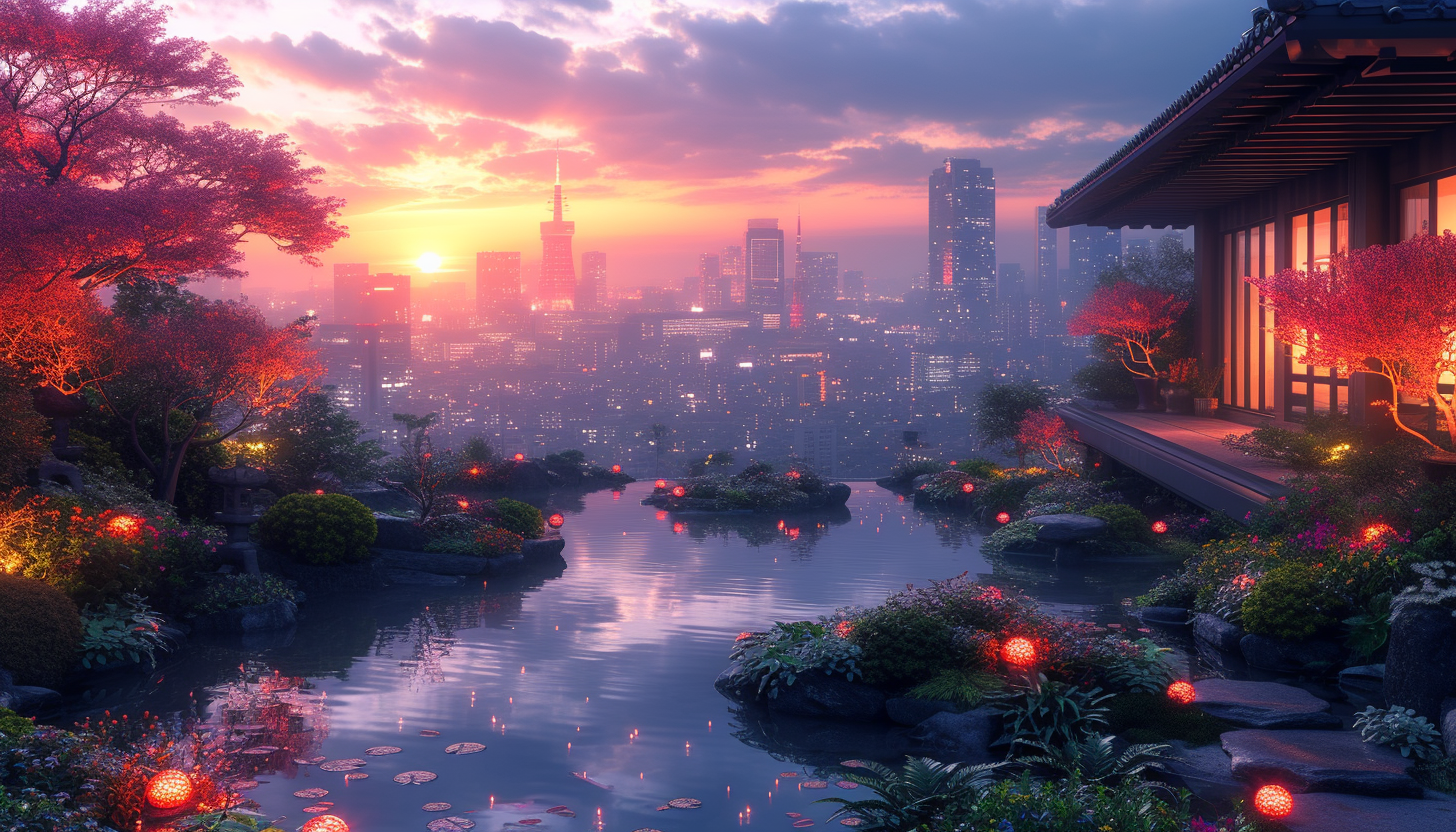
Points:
(1273, 801)
(679, 491)
(1159, 527)
(326, 823)
(124, 525)
(967, 487)
(555, 521)
(1019, 651)
(1003, 517)
(520, 457)
(1181, 692)
(616, 469)
(170, 789)
(660, 484)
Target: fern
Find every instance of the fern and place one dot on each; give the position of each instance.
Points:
(1094, 759)
(964, 688)
(917, 794)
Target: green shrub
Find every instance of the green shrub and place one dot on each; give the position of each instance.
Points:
(40, 630)
(904, 647)
(515, 516)
(1017, 536)
(115, 633)
(493, 543)
(451, 533)
(979, 468)
(1008, 493)
(965, 688)
(1153, 717)
(1176, 591)
(1124, 523)
(15, 725)
(319, 529)
(1145, 668)
(1051, 713)
(1290, 602)
(232, 591)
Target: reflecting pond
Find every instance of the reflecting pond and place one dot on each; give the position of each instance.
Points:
(604, 668)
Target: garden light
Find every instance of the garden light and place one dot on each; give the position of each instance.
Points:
(170, 789)
(616, 469)
(1181, 692)
(1274, 801)
(464, 504)
(520, 457)
(679, 492)
(326, 823)
(555, 521)
(1375, 531)
(1003, 518)
(1159, 527)
(968, 487)
(1019, 652)
(475, 471)
(660, 484)
(793, 475)
(124, 525)
(952, 463)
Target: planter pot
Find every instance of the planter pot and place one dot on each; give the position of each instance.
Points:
(1205, 407)
(1180, 400)
(1439, 466)
(1147, 391)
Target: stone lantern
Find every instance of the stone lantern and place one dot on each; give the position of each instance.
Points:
(61, 409)
(238, 512)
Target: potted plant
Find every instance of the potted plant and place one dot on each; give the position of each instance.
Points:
(1204, 384)
(1179, 393)
(1139, 319)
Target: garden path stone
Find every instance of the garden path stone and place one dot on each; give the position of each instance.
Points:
(1217, 632)
(1355, 813)
(1364, 676)
(1320, 761)
(1263, 704)
(1068, 528)
(1420, 666)
(960, 738)
(816, 694)
(1206, 771)
(907, 710)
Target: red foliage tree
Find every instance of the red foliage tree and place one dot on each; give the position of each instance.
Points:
(55, 336)
(1047, 435)
(197, 375)
(98, 182)
(1140, 317)
(1390, 310)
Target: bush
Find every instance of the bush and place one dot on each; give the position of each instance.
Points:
(40, 630)
(14, 725)
(1176, 591)
(1016, 537)
(1052, 713)
(1290, 602)
(904, 647)
(1125, 523)
(451, 533)
(1145, 668)
(319, 529)
(788, 650)
(515, 516)
(979, 468)
(1153, 717)
(493, 543)
(232, 591)
(116, 633)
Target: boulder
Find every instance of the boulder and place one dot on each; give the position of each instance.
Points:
(820, 695)
(907, 710)
(1166, 616)
(504, 564)
(1206, 771)
(1263, 704)
(409, 577)
(836, 494)
(551, 545)
(960, 738)
(28, 700)
(436, 563)
(1363, 677)
(275, 615)
(1068, 528)
(1448, 725)
(1275, 654)
(1217, 632)
(1354, 813)
(733, 684)
(1320, 761)
(399, 533)
(1420, 666)
(528, 477)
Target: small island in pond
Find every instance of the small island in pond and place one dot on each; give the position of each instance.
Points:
(755, 489)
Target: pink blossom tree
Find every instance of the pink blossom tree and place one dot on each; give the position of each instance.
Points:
(99, 182)
(1046, 435)
(1139, 317)
(1389, 310)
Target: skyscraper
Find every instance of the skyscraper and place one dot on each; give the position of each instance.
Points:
(854, 285)
(963, 246)
(1091, 250)
(763, 245)
(497, 285)
(715, 294)
(366, 348)
(730, 266)
(799, 291)
(558, 271)
(820, 271)
(593, 280)
(1045, 273)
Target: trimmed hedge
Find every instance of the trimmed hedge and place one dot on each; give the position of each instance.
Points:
(319, 529)
(40, 630)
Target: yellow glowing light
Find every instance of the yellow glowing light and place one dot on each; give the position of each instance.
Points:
(1338, 451)
(429, 262)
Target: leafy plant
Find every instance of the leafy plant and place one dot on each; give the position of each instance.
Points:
(1368, 631)
(1153, 717)
(1179, 590)
(904, 646)
(1013, 537)
(228, 820)
(1094, 759)
(39, 630)
(1147, 668)
(1026, 804)
(1401, 729)
(1322, 440)
(1437, 773)
(1228, 601)
(491, 542)
(1052, 713)
(15, 725)
(515, 516)
(1290, 602)
(980, 468)
(1123, 522)
(319, 529)
(118, 632)
(965, 688)
(232, 591)
(921, 792)
(776, 658)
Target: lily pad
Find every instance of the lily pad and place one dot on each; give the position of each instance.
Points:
(414, 778)
(355, 775)
(561, 811)
(529, 821)
(815, 784)
(243, 785)
(792, 815)
(436, 807)
(803, 823)
(463, 823)
(429, 732)
(845, 784)
(350, 764)
(464, 748)
(851, 821)
(311, 794)
(853, 764)
(685, 803)
(382, 750)
(260, 750)
(646, 829)
(318, 809)
(444, 825)
(788, 774)
(308, 761)
(663, 808)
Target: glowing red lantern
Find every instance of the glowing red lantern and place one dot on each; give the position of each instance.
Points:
(793, 475)
(326, 823)
(679, 491)
(555, 521)
(1003, 518)
(1019, 652)
(318, 491)
(124, 525)
(952, 463)
(967, 487)
(1274, 801)
(464, 504)
(1159, 527)
(520, 457)
(660, 484)
(1181, 692)
(170, 789)
(475, 471)
(616, 469)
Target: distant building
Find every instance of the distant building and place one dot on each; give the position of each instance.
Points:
(716, 293)
(962, 263)
(820, 270)
(497, 284)
(1092, 250)
(1045, 273)
(366, 349)
(730, 266)
(360, 297)
(593, 283)
(444, 304)
(817, 445)
(558, 271)
(763, 245)
(854, 286)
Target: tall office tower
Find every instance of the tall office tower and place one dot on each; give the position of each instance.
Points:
(692, 290)
(715, 294)
(854, 286)
(1046, 257)
(558, 271)
(763, 246)
(820, 270)
(593, 283)
(362, 298)
(497, 285)
(798, 291)
(962, 246)
(730, 266)
(1092, 249)
(1010, 278)
(366, 349)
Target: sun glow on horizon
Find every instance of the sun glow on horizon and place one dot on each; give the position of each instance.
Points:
(429, 262)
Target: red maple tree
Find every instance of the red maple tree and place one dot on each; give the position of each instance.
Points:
(1389, 310)
(1048, 436)
(1140, 317)
(98, 181)
(56, 336)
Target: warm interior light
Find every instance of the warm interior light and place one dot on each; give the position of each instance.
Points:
(968, 487)
(1181, 692)
(1003, 518)
(679, 492)
(170, 789)
(1159, 527)
(1274, 801)
(555, 521)
(326, 823)
(1019, 651)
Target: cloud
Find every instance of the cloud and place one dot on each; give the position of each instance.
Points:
(317, 59)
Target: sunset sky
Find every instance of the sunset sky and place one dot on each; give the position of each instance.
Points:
(437, 119)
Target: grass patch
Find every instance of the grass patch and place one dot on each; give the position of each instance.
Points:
(1153, 717)
(1438, 774)
(966, 688)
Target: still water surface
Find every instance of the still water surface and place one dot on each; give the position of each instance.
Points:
(604, 668)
